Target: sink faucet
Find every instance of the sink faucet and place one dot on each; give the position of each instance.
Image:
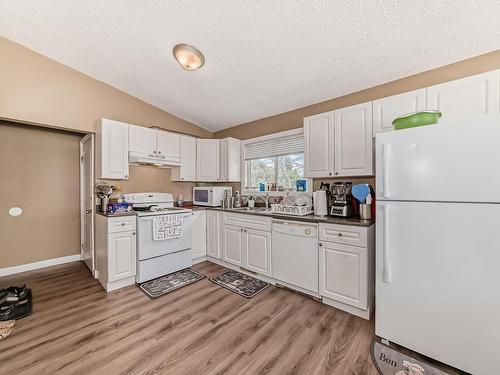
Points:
(265, 199)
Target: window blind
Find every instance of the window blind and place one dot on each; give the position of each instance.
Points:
(287, 145)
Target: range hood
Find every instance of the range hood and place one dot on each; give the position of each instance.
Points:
(165, 161)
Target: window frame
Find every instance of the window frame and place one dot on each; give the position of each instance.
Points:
(246, 172)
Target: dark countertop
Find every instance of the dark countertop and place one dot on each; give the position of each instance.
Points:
(355, 221)
(105, 214)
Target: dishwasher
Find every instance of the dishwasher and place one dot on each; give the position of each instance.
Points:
(295, 254)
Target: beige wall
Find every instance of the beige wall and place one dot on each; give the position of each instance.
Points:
(152, 179)
(293, 119)
(39, 173)
(35, 89)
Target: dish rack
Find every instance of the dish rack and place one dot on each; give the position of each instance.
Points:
(292, 210)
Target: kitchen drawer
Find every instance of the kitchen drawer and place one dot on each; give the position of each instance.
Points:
(247, 221)
(343, 234)
(121, 224)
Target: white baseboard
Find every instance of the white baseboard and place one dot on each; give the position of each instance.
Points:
(37, 265)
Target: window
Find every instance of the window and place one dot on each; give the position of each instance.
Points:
(277, 159)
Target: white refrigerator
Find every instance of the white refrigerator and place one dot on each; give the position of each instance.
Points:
(438, 243)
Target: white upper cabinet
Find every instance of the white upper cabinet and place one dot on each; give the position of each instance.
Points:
(339, 143)
(230, 159)
(155, 143)
(207, 160)
(142, 140)
(112, 150)
(385, 110)
(168, 145)
(468, 97)
(353, 145)
(187, 170)
(318, 145)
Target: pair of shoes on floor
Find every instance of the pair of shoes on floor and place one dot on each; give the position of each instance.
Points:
(13, 294)
(10, 298)
(6, 328)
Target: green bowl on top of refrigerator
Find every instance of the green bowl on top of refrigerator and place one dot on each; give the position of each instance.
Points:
(415, 119)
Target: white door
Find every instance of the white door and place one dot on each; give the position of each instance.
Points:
(385, 110)
(121, 255)
(437, 281)
(318, 145)
(233, 244)
(440, 163)
(257, 251)
(142, 140)
(466, 98)
(87, 201)
(213, 234)
(343, 274)
(187, 170)
(207, 160)
(353, 141)
(112, 150)
(199, 234)
(168, 145)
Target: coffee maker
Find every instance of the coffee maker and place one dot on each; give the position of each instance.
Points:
(341, 199)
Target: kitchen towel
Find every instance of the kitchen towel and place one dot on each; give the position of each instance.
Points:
(320, 205)
(166, 227)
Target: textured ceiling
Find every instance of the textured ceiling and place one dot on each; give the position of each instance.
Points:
(262, 57)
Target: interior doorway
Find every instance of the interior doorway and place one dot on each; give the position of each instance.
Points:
(87, 205)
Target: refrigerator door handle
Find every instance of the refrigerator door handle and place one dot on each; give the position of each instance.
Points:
(386, 271)
(386, 149)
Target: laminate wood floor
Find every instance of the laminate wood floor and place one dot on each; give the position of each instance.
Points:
(77, 328)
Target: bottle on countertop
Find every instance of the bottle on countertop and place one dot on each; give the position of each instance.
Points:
(180, 200)
(237, 199)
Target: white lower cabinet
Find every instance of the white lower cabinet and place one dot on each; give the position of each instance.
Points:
(257, 251)
(213, 234)
(116, 251)
(232, 248)
(342, 274)
(121, 255)
(199, 234)
(247, 248)
(346, 271)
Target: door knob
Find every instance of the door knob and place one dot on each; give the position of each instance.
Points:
(88, 211)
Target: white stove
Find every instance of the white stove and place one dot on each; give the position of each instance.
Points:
(147, 204)
(157, 258)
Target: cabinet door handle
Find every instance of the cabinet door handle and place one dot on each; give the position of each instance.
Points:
(329, 174)
(386, 270)
(123, 224)
(386, 153)
(336, 173)
(88, 211)
(133, 233)
(320, 244)
(126, 176)
(340, 234)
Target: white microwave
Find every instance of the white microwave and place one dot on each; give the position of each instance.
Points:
(209, 195)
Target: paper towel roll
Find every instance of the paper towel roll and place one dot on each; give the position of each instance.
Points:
(320, 206)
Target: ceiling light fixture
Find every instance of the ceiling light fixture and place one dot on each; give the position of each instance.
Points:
(188, 56)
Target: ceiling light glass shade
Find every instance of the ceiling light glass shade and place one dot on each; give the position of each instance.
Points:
(188, 57)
